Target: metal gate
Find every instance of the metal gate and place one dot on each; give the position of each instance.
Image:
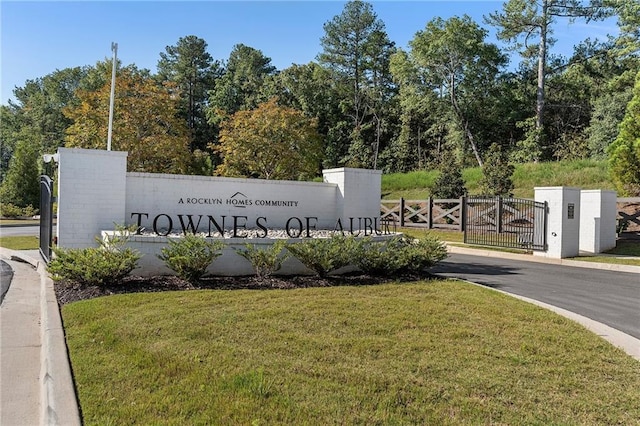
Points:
(46, 216)
(505, 222)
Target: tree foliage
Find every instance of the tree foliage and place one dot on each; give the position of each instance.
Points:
(21, 185)
(357, 51)
(270, 142)
(451, 58)
(624, 152)
(194, 71)
(145, 122)
(372, 105)
(497, 173)
(528, 25)
(240, 86)
(449, 183)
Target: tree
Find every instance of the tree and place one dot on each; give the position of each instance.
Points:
(452, 59)
(193, 70)
(269, 142)
(309, 88)
(497, 172)
(21, 185)
(38, 112)
(449, 183)
(624, 152)
(240, 86)
(524, 20)
(145, 122)
(357, 50)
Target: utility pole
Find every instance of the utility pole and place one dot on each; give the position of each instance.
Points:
(114, 49)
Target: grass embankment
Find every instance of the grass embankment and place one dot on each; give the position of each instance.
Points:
(585, 174)
(424, 353)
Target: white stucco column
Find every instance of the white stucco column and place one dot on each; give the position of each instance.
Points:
(597, 220)
(563, 221)
(91, 194)
(358, 195)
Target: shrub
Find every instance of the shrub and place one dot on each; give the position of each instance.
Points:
(497, 173)
(190, 256)
(29, 211)
(449, 183)
(10, 210)
(325, 255)
(399, 255)
(109, 262)
(265, 261)
(423, 253)
(380, 258)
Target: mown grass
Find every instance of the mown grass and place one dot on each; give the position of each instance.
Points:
(625, 253)
(441, 352)
(23, 222)
(30, 242)
(585, 174)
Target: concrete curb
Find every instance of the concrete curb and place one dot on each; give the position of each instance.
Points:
(58, 401)
(530, 258)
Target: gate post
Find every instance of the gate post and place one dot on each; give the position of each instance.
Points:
(463, 213)
(430, 213)
(563, 221)
(46, 217)
(597, 220)
(401, 212)
(499, 215)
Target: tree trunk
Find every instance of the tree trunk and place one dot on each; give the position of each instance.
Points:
(542, 60)
(463, 121)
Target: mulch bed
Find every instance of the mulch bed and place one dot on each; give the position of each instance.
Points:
(69, 291)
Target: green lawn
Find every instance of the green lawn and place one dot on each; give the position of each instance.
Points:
(625, 253)
(440, 352)
(20, 243)
(24, 222)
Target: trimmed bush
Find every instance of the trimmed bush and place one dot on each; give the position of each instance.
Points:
(325, 255)
(265, 261)
(423, 253)
(110, 262)
(190, 256)
(9, 210)
(399, 255)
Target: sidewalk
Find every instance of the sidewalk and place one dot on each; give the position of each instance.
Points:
(36, 385)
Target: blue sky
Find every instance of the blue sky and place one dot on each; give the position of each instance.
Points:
(39, 37)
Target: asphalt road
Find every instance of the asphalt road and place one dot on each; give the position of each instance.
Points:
(14, 231)
(6, 274)
(612, 298)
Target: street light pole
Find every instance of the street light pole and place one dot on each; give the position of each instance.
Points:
(114, 49)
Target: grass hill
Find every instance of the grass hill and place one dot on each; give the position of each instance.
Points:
(584, 174)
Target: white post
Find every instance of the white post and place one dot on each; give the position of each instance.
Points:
(358, 196)
(114, 48)
(597, 220)
(563, 221)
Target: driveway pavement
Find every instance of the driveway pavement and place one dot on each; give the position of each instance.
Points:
(609, 297)
(6, 273)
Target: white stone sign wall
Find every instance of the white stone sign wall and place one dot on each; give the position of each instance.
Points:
(96, 194)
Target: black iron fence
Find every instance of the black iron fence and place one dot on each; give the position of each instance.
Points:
(505, 222)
